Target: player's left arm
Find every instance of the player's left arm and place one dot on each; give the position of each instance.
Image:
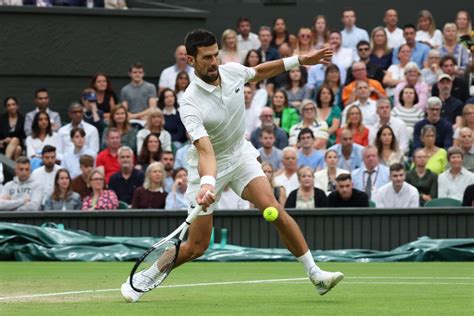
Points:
(275, 67)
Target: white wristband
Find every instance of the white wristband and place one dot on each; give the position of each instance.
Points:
(291, 62)
(208, 180)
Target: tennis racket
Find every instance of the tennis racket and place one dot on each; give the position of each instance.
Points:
(152, 268)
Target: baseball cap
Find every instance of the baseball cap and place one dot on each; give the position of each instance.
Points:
(444, 76)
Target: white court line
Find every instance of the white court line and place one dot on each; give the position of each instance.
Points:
(265, 281)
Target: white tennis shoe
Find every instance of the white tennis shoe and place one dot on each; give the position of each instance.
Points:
(129, 294)
(324, 280)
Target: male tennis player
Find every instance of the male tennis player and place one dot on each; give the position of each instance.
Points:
(213, 112)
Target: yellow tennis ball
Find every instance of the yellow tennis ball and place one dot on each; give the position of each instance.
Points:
(270, 214)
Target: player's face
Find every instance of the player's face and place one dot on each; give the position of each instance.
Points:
(397, 177)
(206, 64)
(445, 86)
(344, 188)
(22, 171)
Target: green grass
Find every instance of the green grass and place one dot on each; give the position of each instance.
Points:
(369, 289)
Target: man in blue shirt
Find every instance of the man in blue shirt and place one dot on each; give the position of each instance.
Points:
(351, 34)
(349, 154)
(419, 51)
(307, 155)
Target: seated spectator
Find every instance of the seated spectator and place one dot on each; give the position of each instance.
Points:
(397, 193)
(107, 159)
(154, 124)
(466, 143)
(330, 75)
(427, 32)
(176, 199)
(231, 201)
(181, 157)
(320, 32)
(266, 118)
(288, 177)
(468, 197)
(124, 182)
(419, 51)
(467, 120)
(168, 75)
(251, 111)
(413, 78)
(444, 130)
(151, 151)
(167, 159)
(295, 90)
(387, 147)
(41, 136)
(307, 155)
(46, 173)
(12, 132)
(425, 181)
(432, 71)
(345, 195)
(279, 81)
(407, 112)
(327, 111)
(318, 127)
(91, 134)
(364, 103)
(80, 183)
(152, 194)
(230, 52)
(396, 73)
(354, 122)
(63, 198)
(453, 182)
(119, 120)
(452, 47)
(100, 198)
(115, 4)
(168, 104)
(266, 50)
(460, 88)
(269, 153)
(343, 57)
(92, 114)
(306, 196)
(437, 159)
(246, 39)
(42, 105)
(71, 159)
(23, 193)
(452, 107)
(139, 95)
(380, 52)
(304, 42)
(182, 82)
(106, 97)
(284, 116)
(373, 71)
(325, 179)
(359, 71)
(280, 34)
(372, 175)
(349, 155)
(278, 190)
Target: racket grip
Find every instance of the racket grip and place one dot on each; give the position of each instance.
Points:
(194, 213)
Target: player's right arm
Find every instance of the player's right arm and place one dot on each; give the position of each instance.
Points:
(207, 168)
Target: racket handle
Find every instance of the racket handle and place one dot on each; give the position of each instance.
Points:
(194, 213)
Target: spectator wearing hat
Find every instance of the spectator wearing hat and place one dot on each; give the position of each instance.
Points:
(452, 106)
(460, 87)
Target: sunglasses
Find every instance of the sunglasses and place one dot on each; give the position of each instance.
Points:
(365, 49)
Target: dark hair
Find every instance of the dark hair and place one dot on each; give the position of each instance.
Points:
(400, 96)
(409, 26)
(22, 160)
(455, 151)
(75, 130)
(86, 161)
(284, 95)
(335, 31)
(161, 98)
(136, 65)
(145, 155)
(268, 130)
(35, 130)
(396, 167)
(301, 82)
(446, 58)
(39, 91)
(378, 140)
(48, 149)
(363, 42)
(181, 73)
(246, 60)
(178, 170)
(56, 195)
(318, 95)
(109, 85)
(242, 19)
(304, 131)
(9, 98)
(347, 9)
(273, 28)
(330, 68)
(198, 38)
(343, 177)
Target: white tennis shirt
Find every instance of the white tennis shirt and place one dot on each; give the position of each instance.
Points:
(218, 112)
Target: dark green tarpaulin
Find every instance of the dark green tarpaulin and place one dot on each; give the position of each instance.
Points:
(32, 243)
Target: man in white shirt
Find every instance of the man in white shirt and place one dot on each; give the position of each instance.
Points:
(453, 182)
(366, 105)
(70, 160)
(251, 112)
(289, 177)
(384, 117)
(351, 34)
(394, 33)
(343, 57)
(246, 40)
(46, 173)
(76, 114)
(397, 193)
(371, 176)
(169, 74)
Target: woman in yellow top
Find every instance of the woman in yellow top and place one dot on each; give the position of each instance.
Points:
(437, 157)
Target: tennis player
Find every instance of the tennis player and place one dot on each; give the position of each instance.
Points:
(213, 112)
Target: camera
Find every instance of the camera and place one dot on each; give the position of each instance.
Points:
(90, 96)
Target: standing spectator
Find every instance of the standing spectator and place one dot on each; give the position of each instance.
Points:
(306, 196)
(327, 111)
(334, 79)
(318, 127)
(374, 70)
(307, 155)
(452, 107)
(12, 132)
(387, 147)
(269, 153)
(169, 106)
(466, 121)
(395, 74)
(427, 32)
(246, 40)
(394, 33)
(437, 159)
(453, 182)
(80, 183)
(284, 116)
(266, 118)
(99, 199)
(152, 194)
(425, 181)
(92, 114)
(42, 105)
(119, 119)
(345, 195)
(362, 100)
(278, 190)
(372, 175)
(288, 178)
(138, 96)
(354, 123)
(342, 57)
(295, 87)
(325, 74)
(169, 74)
(419, 51)
(76, 114)
(463, 23)
(325, 179)
(46, 174)
(359, 70)
(251, 112)
(452, 47)
(407, 112)
(106, 97)
(320, 32)
(108, 158)
(176, 199)
(432, 70)
(23, 193)
(63, 198)
(128, 179)
(150, 152)
(397, 193)
(413, 78)
(267, 51)
(167, 159)
(155, 123)
(351, 34)
(182, 82)
(349, 155)
(230, 51)
(70, 160)
(466, 138)
(304, 44)
(280, 34)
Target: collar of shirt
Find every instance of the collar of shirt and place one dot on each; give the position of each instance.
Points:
(206, 86)
(167, 112)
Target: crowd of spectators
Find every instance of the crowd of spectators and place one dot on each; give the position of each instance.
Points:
(389, 122)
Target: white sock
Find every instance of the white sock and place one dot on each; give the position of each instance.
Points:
(308, 262)
(152, 271)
